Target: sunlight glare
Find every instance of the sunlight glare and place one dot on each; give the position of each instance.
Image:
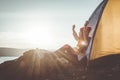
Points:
(38, 35)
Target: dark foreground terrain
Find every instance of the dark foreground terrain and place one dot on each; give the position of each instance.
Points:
(59, 65)
(105, 68)
(38, 65)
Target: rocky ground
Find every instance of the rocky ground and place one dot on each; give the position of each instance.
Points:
(59, 65)
(105, 68)
(35, 65)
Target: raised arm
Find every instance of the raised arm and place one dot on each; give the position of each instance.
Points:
(84, 38)
(86, 32)
(74, 33)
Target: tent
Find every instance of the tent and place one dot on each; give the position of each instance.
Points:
(105, 24)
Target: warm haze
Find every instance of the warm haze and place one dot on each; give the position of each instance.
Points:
(42, 24)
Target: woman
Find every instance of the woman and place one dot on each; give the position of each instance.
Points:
(79, 52)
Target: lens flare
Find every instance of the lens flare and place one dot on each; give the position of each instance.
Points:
(83, 43)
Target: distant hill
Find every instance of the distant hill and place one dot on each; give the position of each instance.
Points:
(11, 51)
(15, 51)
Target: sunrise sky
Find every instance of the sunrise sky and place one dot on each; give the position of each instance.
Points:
(45, 24)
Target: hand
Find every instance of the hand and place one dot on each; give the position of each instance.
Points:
(86, 28)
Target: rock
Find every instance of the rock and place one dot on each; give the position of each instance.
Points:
(42, 65)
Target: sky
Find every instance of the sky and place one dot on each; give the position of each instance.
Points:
(45, 24)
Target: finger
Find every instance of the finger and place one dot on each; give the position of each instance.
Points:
(74, 26)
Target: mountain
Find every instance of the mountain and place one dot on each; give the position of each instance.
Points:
(11, 51)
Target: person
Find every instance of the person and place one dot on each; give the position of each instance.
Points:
(82, 40)
(78, 53)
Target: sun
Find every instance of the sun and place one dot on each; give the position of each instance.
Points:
(38, 35)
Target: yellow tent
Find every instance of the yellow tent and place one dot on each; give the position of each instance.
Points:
(105, 23)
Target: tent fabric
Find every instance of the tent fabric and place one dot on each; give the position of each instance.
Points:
(93, 20)
(107, 37)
